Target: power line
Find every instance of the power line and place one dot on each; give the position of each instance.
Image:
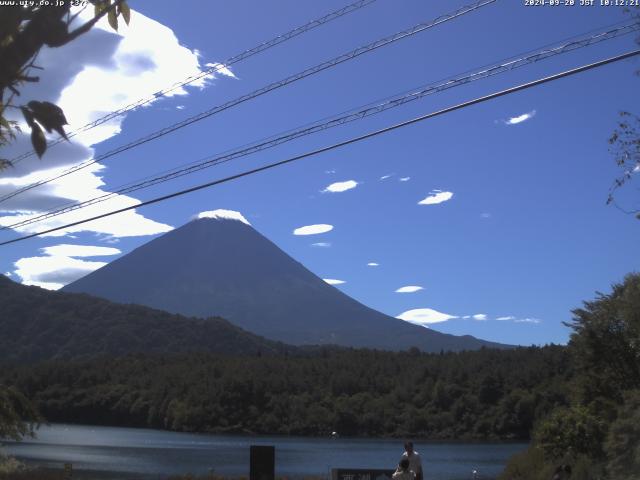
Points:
(341, 144)
(256, 93)
(214, 69)
(340, 119)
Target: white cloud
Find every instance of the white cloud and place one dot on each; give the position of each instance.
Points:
(506, 318)
(222, 214)
(66, 250)
(435, 197)
(180, 107)
(8, 274)
(485, 215)
(58, 266)
(527, 320)
(373, 264)
(479, 316)
(384, 177)
(321, 244)
(341, 186)
(404, 179)
(313, 229)
(220, 68)
(409, 289)
(423, 316)
(329, 172)
(333, 281)
(124, 67)
(53, 272)
(520, 118)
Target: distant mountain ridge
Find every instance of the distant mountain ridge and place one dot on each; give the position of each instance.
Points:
(224, 267)
(38, 324)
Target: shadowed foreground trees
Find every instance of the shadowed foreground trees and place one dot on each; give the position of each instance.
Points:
(599, 432)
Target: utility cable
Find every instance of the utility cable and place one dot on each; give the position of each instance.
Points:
(340, 119)
(210, 71)
(272, 86)
(341, 144)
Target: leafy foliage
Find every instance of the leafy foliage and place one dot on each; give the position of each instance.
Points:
(18, 417)
(24, 30)
(599, 432)
(624, 145)
(623, 442)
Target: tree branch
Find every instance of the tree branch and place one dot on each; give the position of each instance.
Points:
(87, 26)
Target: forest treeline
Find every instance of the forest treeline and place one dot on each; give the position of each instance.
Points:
(485, 394)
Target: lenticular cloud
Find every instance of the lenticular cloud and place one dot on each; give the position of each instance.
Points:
(313, 229)
(435, 197)
(338, 187)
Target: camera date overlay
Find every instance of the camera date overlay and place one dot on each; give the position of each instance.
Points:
(43, 3)
(581, 3)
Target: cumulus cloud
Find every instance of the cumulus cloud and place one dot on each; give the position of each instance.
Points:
(59, 266)
(435, 197)
(321, 244)
(333, 281)
(424, 316)
(520, 118)
(409, 289)
(124, 67)
(340, 186)
(479, 316)
(222, 214)
(313, 229)
(404, 179)
(373, 264)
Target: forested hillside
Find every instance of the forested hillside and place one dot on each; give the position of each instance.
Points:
(38, 324)
(482, 394)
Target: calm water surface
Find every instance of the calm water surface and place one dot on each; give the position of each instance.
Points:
(130, 453)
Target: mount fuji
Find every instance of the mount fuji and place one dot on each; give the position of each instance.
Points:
(219, 265)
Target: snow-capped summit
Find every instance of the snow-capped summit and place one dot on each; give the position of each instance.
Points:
(222, 214)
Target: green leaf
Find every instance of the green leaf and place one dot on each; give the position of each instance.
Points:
(50, 116)
(113, 19)
(28, 116)
(125, 11)
(38, 140)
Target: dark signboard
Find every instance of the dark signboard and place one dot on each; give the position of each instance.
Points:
(360, 474)
(262, 462)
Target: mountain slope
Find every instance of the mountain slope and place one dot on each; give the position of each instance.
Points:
(38, 324)
(224, 267)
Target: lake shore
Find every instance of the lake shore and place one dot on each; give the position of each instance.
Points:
(109, 453)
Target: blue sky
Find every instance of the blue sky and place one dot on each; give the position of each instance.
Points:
(516, 232)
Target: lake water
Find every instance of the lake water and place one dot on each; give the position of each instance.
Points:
(131, 453)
